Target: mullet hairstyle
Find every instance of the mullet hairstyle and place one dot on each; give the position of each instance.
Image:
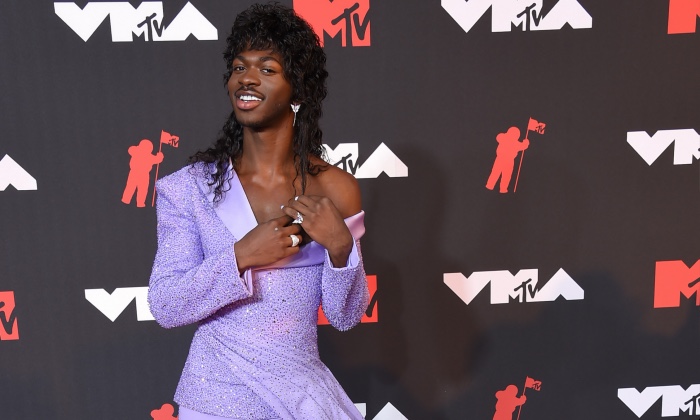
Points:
(277, 28)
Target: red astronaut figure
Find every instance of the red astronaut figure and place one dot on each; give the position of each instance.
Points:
(506, 152)
(507, 402)
(164, 413)
(141, 163)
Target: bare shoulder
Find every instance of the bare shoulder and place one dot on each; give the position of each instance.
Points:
(340, 187)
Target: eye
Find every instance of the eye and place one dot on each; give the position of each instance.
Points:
(237, 68)
(268, 70)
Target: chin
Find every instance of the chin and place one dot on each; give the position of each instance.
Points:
(251, 124)
(248, 122)
(257, 123)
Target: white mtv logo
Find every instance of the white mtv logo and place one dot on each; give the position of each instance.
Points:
(674, 399)
(687, 143)
(13, 174)
(526, 14)
(521, 286)
(145, 20)
(389, 412)
(112, 305)
(345, 156)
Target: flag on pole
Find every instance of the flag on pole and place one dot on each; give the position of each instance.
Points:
(536, 126)
(531, 383)
(169, 139)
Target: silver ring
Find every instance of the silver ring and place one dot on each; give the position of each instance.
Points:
(300, 219)
(295, 240)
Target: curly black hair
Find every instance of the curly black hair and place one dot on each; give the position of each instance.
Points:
(278, 28)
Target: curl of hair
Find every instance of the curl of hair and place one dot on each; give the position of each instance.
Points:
(278, 28)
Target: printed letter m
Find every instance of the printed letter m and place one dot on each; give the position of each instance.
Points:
(112, 305)
(674, 399)
(673, 279)
(503, 284)
(687, 142)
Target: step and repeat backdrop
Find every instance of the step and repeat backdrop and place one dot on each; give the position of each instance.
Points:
(528, 169)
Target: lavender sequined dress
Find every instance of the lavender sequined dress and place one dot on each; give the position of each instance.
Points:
(255, 354)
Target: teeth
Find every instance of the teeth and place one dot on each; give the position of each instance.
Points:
(249, 98)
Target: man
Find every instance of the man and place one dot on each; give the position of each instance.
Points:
(258, 231)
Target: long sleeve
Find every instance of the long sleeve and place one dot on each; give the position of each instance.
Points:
(185, 287)
(344, 292)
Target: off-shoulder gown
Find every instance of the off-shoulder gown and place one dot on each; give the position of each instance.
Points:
(255, 352)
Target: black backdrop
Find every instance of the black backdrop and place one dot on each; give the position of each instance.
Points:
(436, 96)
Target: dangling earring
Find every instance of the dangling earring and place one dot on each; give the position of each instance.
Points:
(295, 109)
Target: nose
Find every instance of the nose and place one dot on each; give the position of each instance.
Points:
(248, 78)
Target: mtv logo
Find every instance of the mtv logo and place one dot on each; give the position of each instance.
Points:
(687, 142)
(13, 174)
(8, 317)
(112, 305)
(526, 14)
(145, 21)
(673, 279)
(345, 156)
(683, 16)
(505, 286)
(674, 400)
(347, 18)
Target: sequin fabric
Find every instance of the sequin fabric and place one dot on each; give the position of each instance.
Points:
(255, 353)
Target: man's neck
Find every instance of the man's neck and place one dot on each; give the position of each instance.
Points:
(267, 154)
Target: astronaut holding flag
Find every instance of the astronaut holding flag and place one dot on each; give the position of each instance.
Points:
(508, 148)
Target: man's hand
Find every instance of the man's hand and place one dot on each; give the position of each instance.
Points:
(324, 224)
(267, 243)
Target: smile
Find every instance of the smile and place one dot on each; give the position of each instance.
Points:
(248, 98)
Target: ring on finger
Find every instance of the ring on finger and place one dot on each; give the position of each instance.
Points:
(295, 240)
(300, 219)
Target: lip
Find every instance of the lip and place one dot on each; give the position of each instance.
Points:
(249, 103)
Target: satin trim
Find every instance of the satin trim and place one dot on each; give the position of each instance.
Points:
(237, 215)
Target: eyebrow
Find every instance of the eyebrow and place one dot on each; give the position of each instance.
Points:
(262, 59)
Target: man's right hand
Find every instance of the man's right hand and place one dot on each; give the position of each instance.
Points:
(267, 243)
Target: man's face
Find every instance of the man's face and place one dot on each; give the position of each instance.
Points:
(260, 94)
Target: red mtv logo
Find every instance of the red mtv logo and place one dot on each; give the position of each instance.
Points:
(682, 16)
(8, 317)
(673, 279)
(371, 315)
(348, 17)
